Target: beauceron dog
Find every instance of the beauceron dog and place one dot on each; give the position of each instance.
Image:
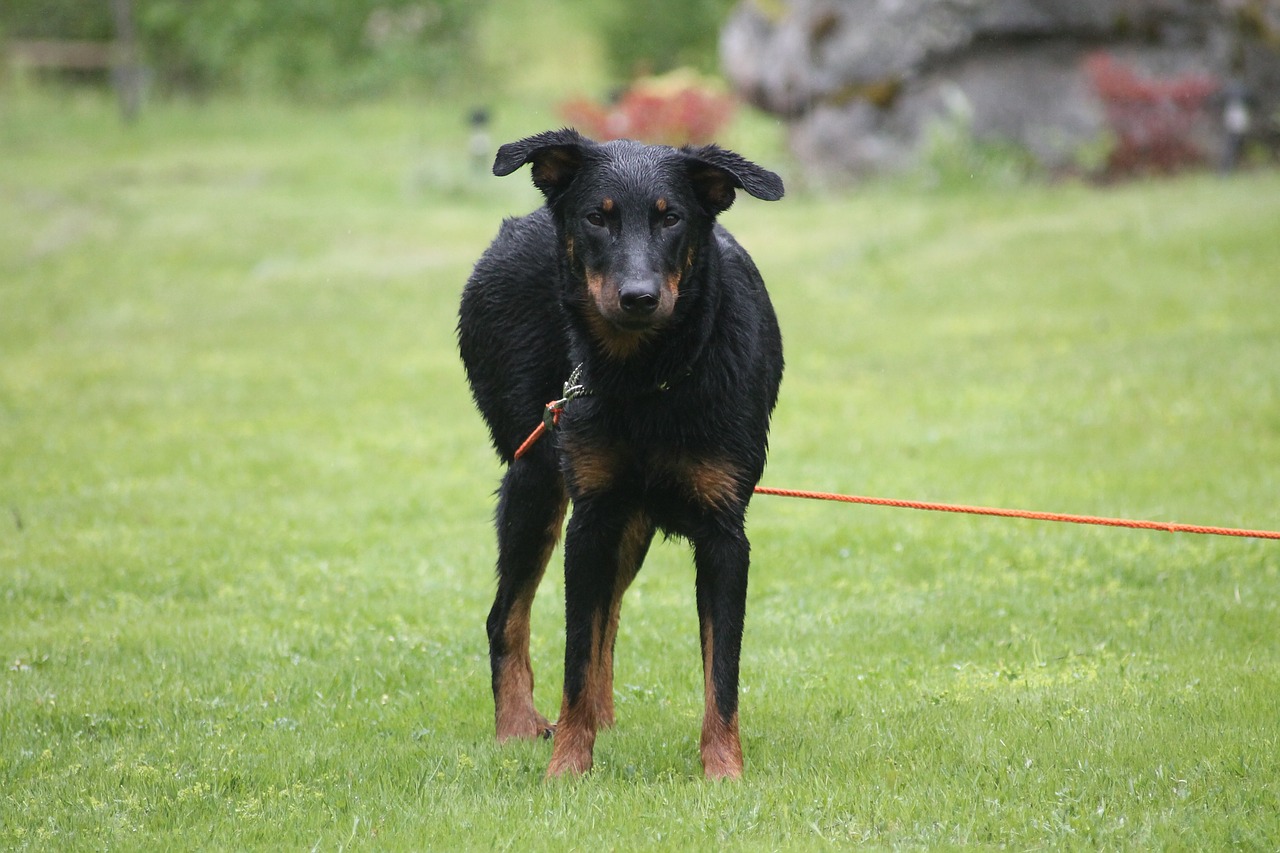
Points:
(623, 295)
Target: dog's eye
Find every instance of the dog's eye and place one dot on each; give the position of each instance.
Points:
(670, 220)
(596, 219)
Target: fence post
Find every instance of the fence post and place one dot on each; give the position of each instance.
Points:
(127, 68)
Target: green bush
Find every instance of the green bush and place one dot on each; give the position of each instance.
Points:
(306, 47)
(328, 47)
(655, 36)
(344, 48)
(55, 19)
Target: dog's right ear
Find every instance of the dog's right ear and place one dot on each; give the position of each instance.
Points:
(556, 156)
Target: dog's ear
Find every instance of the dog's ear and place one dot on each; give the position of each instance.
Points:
(556, 156)
(717, 172)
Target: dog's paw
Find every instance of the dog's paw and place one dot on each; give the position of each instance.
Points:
(572, 753)
(569, 764)
(722, 767)
(722, 753)
(527, 726)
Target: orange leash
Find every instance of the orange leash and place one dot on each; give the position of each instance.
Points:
(1023, 513)
(530, 441)
(572, 389)
(538, 431)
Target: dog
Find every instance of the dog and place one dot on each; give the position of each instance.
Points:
(625, 282)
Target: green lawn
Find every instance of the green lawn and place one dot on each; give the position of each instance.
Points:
(245, 553)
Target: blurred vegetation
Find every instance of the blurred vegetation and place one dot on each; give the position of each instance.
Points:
(343, 47)
(654, 36)
(49, 19)
(354, 48)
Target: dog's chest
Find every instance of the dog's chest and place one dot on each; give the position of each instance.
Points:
(653, 473)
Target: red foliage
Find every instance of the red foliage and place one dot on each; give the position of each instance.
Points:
(1153, 118)
(666, 111)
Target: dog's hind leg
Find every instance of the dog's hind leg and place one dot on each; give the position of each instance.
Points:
(636, 537)
(722, 559)
(531, 508)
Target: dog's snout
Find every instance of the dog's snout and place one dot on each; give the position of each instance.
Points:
(638, 299)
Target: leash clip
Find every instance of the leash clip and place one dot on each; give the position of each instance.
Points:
(573, 389)
(551, 414)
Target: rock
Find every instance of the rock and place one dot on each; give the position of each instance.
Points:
(861, 81)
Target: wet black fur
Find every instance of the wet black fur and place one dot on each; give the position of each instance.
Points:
(700, 386)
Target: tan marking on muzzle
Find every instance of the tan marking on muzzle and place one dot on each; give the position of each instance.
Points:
(617, 343)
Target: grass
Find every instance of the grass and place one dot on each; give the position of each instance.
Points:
(245, 554)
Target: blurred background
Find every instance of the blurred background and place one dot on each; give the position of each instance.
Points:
(1103, 88)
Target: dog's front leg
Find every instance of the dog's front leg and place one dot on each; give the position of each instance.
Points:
(722, 557)
(592, 587)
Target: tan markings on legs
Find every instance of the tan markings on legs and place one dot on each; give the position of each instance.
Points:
(514, 712)
(575, 731)
(603, 684)
(712, 483)
(635, 539)
(720, 746)
(591, 469)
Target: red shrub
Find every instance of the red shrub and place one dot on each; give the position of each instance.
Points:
(671, 110)
(1153, 118)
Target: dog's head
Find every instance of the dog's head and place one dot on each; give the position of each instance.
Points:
(634, 219)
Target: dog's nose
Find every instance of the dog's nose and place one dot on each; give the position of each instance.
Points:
(639, 301)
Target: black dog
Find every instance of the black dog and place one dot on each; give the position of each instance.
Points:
(624, 282)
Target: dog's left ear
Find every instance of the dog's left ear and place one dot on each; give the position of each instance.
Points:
(556, 157)
(717, 172)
